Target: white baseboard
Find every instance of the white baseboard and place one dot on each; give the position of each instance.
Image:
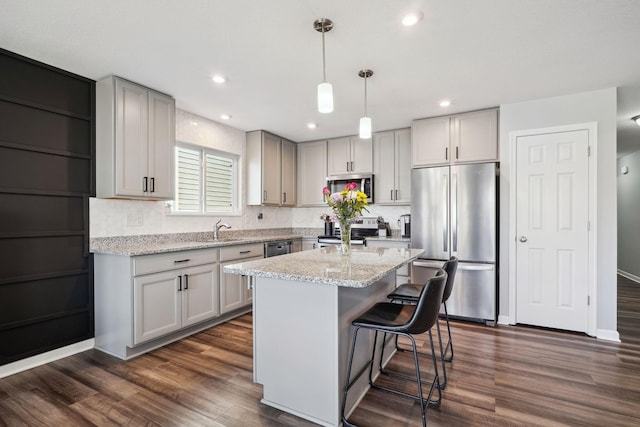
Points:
(43, 358)
(629, 276)
(503, 320)
(608, 335)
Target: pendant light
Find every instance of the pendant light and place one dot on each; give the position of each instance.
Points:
(325, 90)
(365, 122)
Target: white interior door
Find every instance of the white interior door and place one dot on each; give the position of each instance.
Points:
(552, 230)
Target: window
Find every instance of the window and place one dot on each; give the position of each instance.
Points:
(206, 181)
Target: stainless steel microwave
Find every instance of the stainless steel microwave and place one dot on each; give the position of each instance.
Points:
(364, 182)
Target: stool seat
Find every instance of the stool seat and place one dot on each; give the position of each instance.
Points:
(407, 292)
(389, 315)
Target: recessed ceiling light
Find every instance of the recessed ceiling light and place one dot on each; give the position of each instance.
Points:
(411, 19)
(219, 78)
(445, 103)
(225, 116)
(312, 125)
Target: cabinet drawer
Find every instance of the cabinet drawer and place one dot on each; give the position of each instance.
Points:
(162, 262)
(241, 251)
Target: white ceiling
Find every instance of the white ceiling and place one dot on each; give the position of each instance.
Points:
(479, 53)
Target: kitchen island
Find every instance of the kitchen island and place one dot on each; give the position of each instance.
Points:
(303, 305)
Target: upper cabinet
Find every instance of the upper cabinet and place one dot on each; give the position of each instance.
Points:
(462, 138)
(135, 140)
(349, 155)
(271, 170)
(312, 173)
(392, 167)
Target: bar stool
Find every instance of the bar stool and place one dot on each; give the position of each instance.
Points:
(402, 320)
(410, 292)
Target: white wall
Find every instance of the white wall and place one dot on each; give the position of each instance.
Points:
(596, 106)
(629, 216)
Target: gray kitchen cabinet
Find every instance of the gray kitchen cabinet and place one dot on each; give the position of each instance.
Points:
(349, 155)
(168, 301)
(309, 243)
(135, 140)
(142, 302)
(234, 289)
(461, 138)
(271, 170)
(392, 167)
(312, 173)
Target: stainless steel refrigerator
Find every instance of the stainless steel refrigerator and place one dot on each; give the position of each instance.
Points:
(454, 213)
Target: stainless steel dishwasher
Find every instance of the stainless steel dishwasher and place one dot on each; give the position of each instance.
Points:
(277, 248)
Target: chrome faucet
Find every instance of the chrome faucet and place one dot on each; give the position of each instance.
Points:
(217, 227)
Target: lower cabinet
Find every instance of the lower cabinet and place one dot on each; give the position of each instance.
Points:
(234, 288)
(309, 243)
(143, 302)
(168, 301)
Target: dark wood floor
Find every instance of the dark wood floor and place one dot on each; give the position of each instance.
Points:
(503, 376)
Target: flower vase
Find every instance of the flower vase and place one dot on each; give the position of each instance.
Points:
(345, 237)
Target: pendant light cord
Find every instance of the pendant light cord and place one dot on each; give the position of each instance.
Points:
(324, 66)
(365, 95)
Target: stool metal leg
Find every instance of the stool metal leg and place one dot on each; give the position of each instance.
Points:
(450, 341)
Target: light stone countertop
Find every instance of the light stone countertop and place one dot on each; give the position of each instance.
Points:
(359, 269)
(163, 243)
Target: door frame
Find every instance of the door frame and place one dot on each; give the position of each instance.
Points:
(592, 129)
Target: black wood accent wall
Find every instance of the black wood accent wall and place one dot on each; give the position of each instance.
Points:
(47, 173)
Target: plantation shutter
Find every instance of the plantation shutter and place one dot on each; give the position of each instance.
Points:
(218, 183)
(188, 171)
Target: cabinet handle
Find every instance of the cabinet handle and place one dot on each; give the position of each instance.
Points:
(396, 195)
(245, 252)
(351, 166)
(391, 195)
(179, 283)
(264, 196)
(284, 197)
(153, 185)
(446, 153)
(144, 184)
(182, 260)
(347, 166)
(186, 282)
(456, 152)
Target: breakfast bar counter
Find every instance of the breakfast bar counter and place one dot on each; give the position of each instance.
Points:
(303, 305)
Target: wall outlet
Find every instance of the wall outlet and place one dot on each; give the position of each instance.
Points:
(134, 220)
(260, 215)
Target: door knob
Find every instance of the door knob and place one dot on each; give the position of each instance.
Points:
(523, 239)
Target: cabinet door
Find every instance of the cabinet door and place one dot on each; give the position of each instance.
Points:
(430, 142)
(338, 156)
(234, 292)
(131, 136)
(361, 155)
(403, 166)
(475, 137)
(312, 173)
(156, 305)
(271, 164)
(288, 173)
(199, 294)
(383, 168)
(162, 140)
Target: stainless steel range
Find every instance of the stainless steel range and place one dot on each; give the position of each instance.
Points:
(360, 230)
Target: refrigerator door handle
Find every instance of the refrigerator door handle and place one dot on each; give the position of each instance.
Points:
(445, 214)
(428, 264)
(476, 267)
(454, 212)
